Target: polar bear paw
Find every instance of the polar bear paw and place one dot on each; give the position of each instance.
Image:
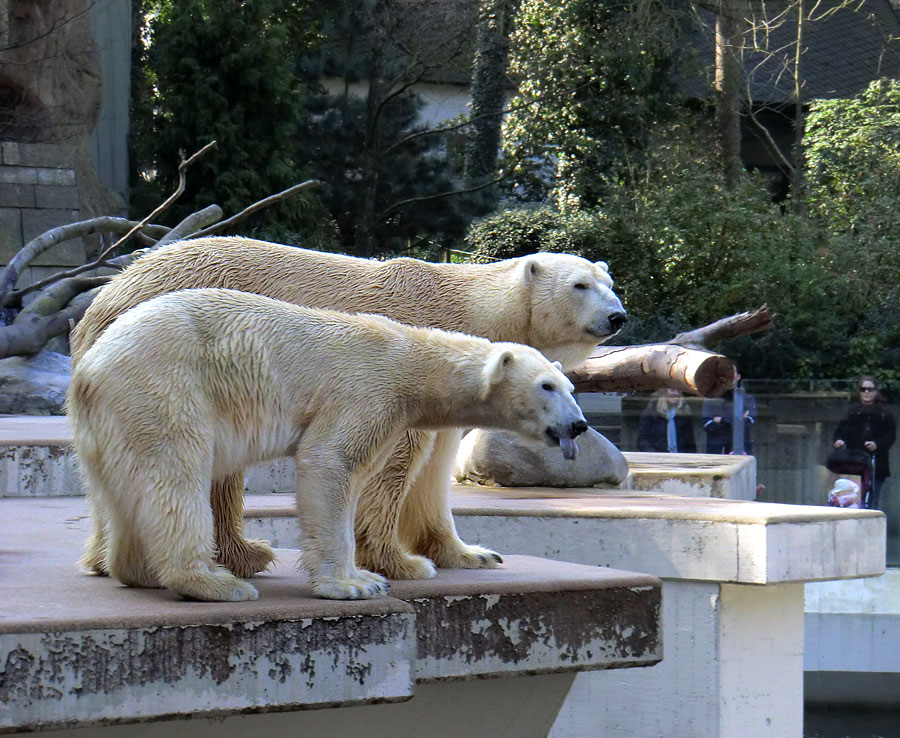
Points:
(245, 557)
(397, 564)
(467, 557)
(219, 585)
(362, 586)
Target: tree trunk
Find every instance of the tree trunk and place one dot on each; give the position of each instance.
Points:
(684, 363)
(798, 175)
(633, 368)
(728, 80)
(364, 237)
(488, 96)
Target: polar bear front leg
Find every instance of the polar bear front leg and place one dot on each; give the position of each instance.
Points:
(326, 506)
(426, 522)
(244, 557)
(378, 545)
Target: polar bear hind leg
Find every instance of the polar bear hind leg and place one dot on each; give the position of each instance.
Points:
(166, 508)
(244, 557)
(378, 545)
(426, 522)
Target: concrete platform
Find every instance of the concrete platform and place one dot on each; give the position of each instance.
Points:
(36, 460)
(78, 650)
(692, 538)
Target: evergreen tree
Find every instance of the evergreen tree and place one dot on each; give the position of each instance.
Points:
(223, 71)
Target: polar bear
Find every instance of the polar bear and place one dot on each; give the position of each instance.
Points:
(192, 386)
(561, 304)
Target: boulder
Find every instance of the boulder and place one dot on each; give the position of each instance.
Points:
(497, 457)
(34, 385)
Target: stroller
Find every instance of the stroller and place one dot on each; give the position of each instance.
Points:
(854, 462)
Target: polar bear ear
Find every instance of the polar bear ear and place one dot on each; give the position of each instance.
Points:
(602, 265)
(495, 368)
(558, 365)
(531, 268)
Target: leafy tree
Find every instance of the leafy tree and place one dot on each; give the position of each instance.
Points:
(331, 138)
(685, 250)
(224, 71)
(596, 78)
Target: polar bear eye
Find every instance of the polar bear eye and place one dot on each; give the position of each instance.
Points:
(547, 387)
(580, 286)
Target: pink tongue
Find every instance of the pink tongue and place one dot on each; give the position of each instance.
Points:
(569, 448)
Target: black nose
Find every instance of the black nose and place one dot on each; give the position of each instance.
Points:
(617, 320)
(579, 427)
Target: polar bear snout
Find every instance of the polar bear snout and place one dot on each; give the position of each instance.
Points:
(579, 427)
(617, 321)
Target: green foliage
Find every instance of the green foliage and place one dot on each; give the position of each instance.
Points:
(331, 140)
(685, 251)
(597, 77)
(224, 71)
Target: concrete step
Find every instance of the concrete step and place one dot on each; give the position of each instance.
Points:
(36, 460)
(78, 650)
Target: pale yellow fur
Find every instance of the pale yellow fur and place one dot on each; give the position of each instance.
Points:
(531, 300)
(192, 386)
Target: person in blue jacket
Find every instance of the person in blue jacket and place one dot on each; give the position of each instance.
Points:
(718, 420)
(666, 424)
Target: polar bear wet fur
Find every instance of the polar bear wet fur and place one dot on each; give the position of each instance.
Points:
(192, 386)
(560, 304)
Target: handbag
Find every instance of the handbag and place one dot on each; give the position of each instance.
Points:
(845, 460)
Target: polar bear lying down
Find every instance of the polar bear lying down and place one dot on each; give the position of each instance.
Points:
(561, 304)
(193, 386)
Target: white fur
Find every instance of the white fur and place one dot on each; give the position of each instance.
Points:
(259, 378)
(558, 303)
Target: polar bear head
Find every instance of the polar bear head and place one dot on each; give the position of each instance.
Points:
(531, 396)
(573, 306)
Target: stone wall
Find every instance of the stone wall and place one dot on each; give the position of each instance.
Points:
(38, 191)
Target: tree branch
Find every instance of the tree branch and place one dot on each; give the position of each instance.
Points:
(37, 246)
(684, 363)
(264, 203)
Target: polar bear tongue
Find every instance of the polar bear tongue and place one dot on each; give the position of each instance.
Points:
(569, 448)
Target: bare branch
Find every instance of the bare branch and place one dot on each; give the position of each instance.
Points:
(264, 203)
(37, 246)
(195, 221)
(30, 336)
(742, 324)
(182, 181)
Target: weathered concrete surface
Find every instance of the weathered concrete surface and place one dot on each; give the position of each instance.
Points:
(688, 475)
(670, 537)
(516, 707)
(80, 650)
(692, 475)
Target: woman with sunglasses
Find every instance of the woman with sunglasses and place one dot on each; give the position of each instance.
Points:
(869, 425)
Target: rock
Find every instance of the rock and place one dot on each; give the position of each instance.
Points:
(34, 385)
(497, 457)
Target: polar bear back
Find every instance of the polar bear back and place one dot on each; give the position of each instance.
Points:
(503, 301)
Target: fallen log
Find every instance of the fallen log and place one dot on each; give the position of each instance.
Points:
(651, 366)
(685, 362)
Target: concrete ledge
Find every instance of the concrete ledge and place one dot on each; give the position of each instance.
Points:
(670, 537)
(37, 461)
(77, 650)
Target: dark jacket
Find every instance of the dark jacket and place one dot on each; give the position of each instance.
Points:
(652, 434)
(719, 435)
(872, 423)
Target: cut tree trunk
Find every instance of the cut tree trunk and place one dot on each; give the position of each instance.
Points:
(685, 362)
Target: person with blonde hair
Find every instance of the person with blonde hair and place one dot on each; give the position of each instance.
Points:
(666, 424)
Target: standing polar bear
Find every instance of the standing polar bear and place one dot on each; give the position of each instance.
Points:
(192, 386)
(560, 304)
